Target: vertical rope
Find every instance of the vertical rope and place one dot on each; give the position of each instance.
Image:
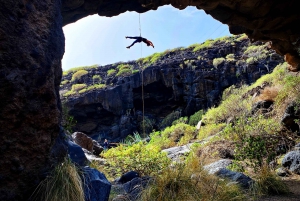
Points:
(142, 75)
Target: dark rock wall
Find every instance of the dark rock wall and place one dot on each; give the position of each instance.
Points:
(184, 81)
(31, 49)
(265, 20)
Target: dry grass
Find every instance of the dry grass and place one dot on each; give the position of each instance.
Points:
(190, 182)
(62, 184)
(268, 94)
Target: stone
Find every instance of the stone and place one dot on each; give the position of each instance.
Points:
(97, 187)
(83, 140)
(175, 153)
(263, 106)
(282, 172)
(243, 180)
(216, 166)
(128, 176)
(292, 161)
(76, 154)
(97, 148)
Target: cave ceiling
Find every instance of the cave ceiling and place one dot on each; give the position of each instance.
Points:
(265, 20)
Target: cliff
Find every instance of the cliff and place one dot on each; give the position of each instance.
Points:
(106, 101)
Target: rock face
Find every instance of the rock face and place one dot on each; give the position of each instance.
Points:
(260, 20)
(31, 49)
(180, 82)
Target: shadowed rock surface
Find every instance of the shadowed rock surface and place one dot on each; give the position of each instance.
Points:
(31, 49)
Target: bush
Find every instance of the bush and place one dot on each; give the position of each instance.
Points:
(178, 134)
(207, 44)
(69, 93)
(218, 61)
(268, 183)
(230, 57)
(78, 75)
(190, 182)
(63, 183)
(65, 82)
(210, 129)
(97, 78)
(68, 121)
(111, 72)
(168, 120)
(96, 86)
(145, 159)
(195, 118)
(78, 87)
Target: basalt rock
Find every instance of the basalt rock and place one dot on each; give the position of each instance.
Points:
(31, 49)
(261, 20)
(179, 83)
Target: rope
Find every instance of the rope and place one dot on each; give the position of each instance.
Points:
(142, 75)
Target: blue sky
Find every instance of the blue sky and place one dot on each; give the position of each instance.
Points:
(101, 40)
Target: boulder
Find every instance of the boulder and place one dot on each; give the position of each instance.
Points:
(97, 187)
(97, 148)
(216, 166)
(238, 177)
(128, 177)
(292, 161)
(76, 154)
(263, 106)
(83, 140)
(282, 172)
(174, 153)
(292, 113)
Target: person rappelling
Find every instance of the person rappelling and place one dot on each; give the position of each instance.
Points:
(139, 39)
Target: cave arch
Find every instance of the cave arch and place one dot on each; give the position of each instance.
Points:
(260, 20)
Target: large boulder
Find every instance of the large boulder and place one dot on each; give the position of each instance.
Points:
(83, 140)
(238, 177)
(292, 161)
(216, 166)
(76, 154)
(97, 187)
(97, 148)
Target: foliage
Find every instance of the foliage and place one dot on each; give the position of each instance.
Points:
(209, 130)
(167, 121)
(242, 37)
(188, 181)
(181, 120)
(207, 44)
(111, 72)
(77, 87)
(256, 139)
(69, 93)
(268, 183)
(132, 139)
(230, 57)
(68, 121)
(96, 86)
(218, 61)
(147, 125)
(75, 69)
(145, 159)
(97, 78)
(78, 75)
(195, 118)
(177, 134)
(256, 53)
(65, 82)
(62, 184)
(232, 106)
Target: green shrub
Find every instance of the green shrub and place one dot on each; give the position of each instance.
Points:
(111, 72)
(218, 61)
(207, 44)
(69, 93)
(78, 87)
(230, 57)
(78, 75)
(65, 82)
(63, 183)
(168, 120)
(209, 130)
(97, 78)
(124, 72)
(177, 134)
(195, 118)
(96, 86)
(68, 121)
(242, 37)
(256, 53)
(145, 159)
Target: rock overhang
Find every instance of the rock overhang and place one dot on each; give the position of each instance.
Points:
(263, 20)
